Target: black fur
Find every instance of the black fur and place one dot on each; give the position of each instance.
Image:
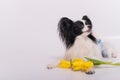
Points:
(89, 23)
(69, 30)
(92, 38)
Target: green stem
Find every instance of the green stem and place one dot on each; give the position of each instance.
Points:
(99, 62)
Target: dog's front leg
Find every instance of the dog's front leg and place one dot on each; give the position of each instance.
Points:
(56, 64)
(67, 57)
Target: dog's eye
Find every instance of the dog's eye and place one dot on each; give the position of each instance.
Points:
(87, 23)
(89, 26)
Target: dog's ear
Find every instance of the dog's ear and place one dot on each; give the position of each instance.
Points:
(65, 22)
(87, 21)
(85, 17)
(65, 25)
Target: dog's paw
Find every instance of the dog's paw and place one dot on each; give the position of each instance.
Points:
(90, 72)
(51, 66)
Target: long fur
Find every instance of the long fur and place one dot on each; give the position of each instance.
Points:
(68, 31)
(79, 40)
(77, 43)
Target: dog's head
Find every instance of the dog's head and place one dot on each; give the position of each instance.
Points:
(87, 24)
(69, 30)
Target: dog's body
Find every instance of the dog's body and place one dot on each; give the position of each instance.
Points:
(83, 47)
(80, 41)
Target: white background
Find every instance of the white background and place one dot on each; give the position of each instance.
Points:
(29, 39)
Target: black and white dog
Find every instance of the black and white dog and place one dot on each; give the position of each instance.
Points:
(80, 41)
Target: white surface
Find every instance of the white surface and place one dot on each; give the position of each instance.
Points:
(29, 39)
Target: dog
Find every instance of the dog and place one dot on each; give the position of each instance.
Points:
(80, 41)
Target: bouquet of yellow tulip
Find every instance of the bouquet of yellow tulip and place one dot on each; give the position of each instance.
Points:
(76, 64)
(80, 64)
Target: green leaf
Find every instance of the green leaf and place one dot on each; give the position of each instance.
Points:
(97, 62)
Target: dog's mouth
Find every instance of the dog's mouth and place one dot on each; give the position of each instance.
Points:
(88, 30)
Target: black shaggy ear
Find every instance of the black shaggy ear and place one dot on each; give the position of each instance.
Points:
(66, 22)
(65, 26)
(87, 21)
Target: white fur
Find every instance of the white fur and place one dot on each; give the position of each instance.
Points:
(83, 47)
(107, 47)
(85, 27)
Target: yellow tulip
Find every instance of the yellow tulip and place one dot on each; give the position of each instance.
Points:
(77, 64)
(64, 64)
(87, 66)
